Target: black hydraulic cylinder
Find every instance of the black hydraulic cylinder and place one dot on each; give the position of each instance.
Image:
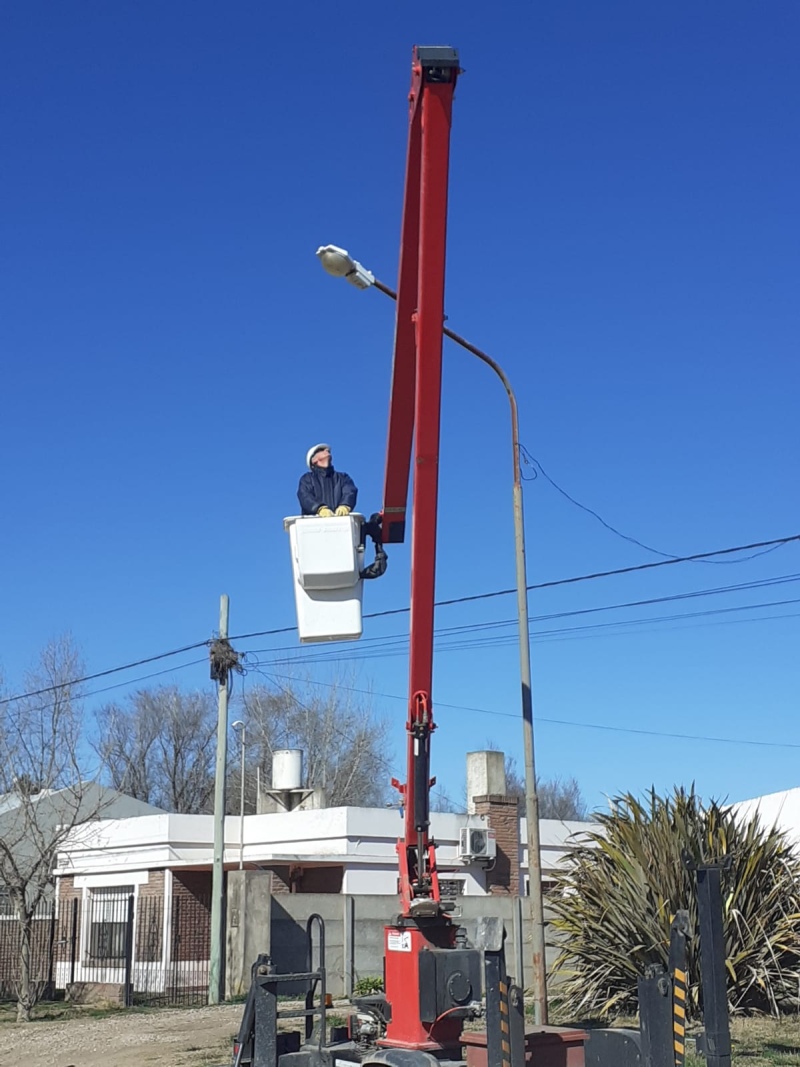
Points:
(716, 1022)
(422, 777)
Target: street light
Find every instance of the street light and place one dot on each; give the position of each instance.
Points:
(239, 725)
(339, 263)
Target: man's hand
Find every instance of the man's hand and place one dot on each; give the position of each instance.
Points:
(325, 513)
(343, 509)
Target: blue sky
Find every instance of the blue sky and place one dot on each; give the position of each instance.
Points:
(623, 238)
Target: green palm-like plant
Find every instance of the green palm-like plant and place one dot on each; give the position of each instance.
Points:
(625, 881)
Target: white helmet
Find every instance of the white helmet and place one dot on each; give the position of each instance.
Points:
(313, 451)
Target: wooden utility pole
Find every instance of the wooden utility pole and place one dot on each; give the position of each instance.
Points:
(221, 672)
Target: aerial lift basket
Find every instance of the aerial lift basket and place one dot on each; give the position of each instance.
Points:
(327, 561)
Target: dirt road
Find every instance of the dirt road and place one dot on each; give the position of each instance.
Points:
(192, 1037)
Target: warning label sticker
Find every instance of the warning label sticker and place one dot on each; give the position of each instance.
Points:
(399, 941)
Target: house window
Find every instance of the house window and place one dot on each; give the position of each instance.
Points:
(450, 888)
(549, 886)
(108, 922)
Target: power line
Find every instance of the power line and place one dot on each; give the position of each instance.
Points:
(537, 467)
(130, 681)
(574, 722)
(775, 542)
(103, 674)
(762, 583)
(562, 633)
(292, 695)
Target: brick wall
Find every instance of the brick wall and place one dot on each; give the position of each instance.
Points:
(66, 894)
(298, 878)
(502, 815)
(154, 886)
(149, 934)
(191, 915)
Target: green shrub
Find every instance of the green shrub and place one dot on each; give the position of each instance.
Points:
(626, 880)
(370, 983)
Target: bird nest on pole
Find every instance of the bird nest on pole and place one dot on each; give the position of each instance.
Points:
(224, 659)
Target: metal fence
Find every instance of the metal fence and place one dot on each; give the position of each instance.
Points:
(140, 950)
(43, 935)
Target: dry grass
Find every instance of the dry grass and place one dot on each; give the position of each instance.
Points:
(764, 1042)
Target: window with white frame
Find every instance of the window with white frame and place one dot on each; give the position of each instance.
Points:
(108, 921)
(549, 885)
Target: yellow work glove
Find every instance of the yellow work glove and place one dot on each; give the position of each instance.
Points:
(343, 509)
(325, 513)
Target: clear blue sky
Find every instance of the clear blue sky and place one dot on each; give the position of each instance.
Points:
(623, 237)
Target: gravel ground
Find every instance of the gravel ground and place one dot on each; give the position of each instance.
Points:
(194, 1037)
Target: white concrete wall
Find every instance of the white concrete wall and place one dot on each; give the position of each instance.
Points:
(362, 840)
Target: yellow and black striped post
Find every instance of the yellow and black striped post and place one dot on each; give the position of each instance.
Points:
(505, 1029)
(679, 932)
(679, 1016)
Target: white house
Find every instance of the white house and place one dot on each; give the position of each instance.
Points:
(775, 809)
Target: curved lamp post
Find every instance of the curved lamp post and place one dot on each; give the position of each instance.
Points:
(340, 264)
(239, 725)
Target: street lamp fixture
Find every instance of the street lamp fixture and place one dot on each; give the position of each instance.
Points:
(339, 263)
(239, 725)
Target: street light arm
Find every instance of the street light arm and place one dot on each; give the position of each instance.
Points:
(487, 359)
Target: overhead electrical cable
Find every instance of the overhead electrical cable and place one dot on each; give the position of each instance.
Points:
(577, 723)
(775, 542)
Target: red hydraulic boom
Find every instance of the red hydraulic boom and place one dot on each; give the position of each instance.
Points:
(414, 416)
(421, 954)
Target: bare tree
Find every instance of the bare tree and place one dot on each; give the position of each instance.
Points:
(343, 742)
(45, 794)
(559, 798)
(160, 746)
(444, 801)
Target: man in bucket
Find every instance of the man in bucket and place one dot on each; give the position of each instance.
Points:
(324, 491)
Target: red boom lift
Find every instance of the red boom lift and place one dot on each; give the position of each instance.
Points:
(433, 979)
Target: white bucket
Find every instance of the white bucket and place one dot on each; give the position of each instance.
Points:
(327, 559)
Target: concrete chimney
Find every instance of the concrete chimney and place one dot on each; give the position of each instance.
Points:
(486, 776)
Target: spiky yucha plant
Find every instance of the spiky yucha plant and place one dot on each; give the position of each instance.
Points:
(626, 880)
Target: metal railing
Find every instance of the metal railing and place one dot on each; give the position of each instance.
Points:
(138, 949)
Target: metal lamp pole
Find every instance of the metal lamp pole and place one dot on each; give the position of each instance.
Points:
(239, 725)
(338, 262)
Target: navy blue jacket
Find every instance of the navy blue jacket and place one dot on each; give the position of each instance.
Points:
(326, 487)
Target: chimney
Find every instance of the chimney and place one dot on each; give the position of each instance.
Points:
(486, 774)
(486, 795)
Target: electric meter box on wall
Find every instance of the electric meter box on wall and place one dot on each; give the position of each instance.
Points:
(327, 560)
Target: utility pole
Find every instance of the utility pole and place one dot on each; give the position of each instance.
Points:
(223, 660)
